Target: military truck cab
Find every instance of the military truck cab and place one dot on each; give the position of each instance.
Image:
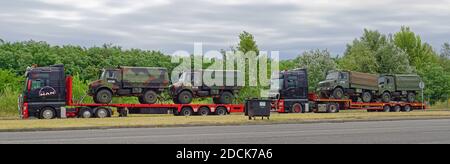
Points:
(291, 90)
(44, 93)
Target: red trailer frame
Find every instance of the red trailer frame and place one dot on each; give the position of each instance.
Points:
(347, 104)
(177, 108)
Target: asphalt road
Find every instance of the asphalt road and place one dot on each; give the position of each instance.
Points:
(408, 131)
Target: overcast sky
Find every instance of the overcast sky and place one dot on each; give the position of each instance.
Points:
(288, 26)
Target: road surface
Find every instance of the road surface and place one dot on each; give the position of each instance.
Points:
(408, 131)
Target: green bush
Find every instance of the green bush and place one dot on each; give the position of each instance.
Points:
(8, 102)
(9, 79)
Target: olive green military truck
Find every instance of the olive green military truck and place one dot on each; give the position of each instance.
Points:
(398, 87)
(191, 84)
(339, 84)
(144, 82)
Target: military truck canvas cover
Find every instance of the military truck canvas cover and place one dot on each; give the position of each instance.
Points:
(407, 82)
(144, 77)
(364, 80)
(230, 77)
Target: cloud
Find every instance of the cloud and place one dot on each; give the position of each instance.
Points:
(290, 26)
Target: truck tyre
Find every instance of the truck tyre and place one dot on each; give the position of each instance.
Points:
(386, 97)
(186, 111)
(411, 97)
(103, 96)
(332, 108)
(101, 112)
(386, 108)
(338, 93)
(296, 108)
(226, 98)
(149, 97)
(85, 112)
(204, 111)
(123, 112)
(221, 111)
(407, 108)
(366, 97)
(184, 97)
(47, 113)
(397, 108)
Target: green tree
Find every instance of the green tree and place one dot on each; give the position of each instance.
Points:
(359, 57)
(318, 63)
(419, 53)
(392, 59)
(373, 52)
(445, 52)
(9, 79)
(247, 43)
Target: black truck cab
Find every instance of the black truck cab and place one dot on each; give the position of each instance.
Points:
(44, 92)
(291, 87)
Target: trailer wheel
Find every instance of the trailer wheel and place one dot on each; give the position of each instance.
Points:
(186, 111)
(85, 112)
(411, 97)
(366, 97)
(407, 108)
(103, 96)
(204, 111)
(226, 98)
(338, 93)
(101, 112)
(296, 108)
(221, 111)
(386, 108)
(332, 108)
(47, 113)
(122, 112)
(184, 97)
(386, 97)
(397, 108)
(149, 97)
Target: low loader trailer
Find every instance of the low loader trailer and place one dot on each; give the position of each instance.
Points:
(330, 105)
(70, 109)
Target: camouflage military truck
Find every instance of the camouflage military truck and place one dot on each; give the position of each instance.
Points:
(397, 87)
(347, 83)
(189, 87)
(144, 82)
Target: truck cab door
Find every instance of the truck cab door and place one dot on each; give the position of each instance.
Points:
(113, 77)
(389, 83)
(291, 84)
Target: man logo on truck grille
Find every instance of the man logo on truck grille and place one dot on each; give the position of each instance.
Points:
(47, 91)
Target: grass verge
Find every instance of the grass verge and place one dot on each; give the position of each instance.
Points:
(136, 121)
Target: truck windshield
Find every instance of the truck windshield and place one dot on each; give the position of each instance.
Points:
(276, 84)
(184, 78)
(333, 76)
(102, 75)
